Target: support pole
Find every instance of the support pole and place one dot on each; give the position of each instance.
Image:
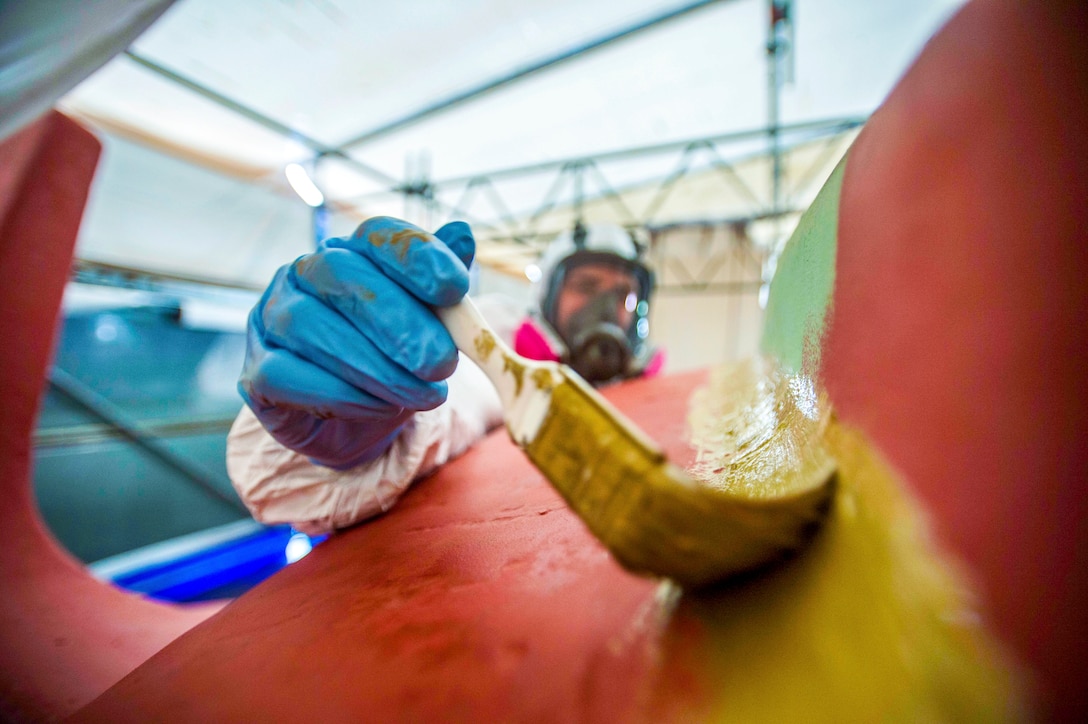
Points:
(778, 46)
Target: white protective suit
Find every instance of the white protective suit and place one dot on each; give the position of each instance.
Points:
(279, 485)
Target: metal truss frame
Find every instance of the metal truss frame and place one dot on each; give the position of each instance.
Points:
(426, 199)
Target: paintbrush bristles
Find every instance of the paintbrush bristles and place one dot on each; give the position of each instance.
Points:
(651, 515)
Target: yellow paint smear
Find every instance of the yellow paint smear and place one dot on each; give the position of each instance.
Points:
(870, 622)
(758, 432)
(656, 518)
(516, 369)
(485, 344)
(400, 240)
(543, 379)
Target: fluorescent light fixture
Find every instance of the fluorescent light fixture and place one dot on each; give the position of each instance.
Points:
(533, 273)
(303, 185)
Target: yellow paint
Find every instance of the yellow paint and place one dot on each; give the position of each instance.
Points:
(869, 623)
(516, 369)
(399, 240)
(656, 518)
(303, 264)
(757, 431)
(542, 379)
(485, 344)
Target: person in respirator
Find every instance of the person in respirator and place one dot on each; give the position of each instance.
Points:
(593, 306)
(354, 389)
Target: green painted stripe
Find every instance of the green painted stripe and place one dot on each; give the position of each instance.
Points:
(800, 294)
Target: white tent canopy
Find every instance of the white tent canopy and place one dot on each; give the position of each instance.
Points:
(243, 88)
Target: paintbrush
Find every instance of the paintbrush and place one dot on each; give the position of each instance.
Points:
(654, 517)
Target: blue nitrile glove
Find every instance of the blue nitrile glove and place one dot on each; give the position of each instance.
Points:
(342, 348)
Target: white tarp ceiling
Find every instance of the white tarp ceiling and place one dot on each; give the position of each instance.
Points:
(337, 70)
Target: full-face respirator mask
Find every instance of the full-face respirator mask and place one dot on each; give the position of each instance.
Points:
(597, 302)
(598, 347)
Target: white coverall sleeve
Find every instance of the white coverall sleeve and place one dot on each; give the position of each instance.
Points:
(279, 485)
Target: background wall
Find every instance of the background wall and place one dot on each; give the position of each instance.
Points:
(706, 309)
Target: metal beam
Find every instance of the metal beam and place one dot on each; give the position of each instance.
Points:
(319, 148)
(830, 125)
(530, 69)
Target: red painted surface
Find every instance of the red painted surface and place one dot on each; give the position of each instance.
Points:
(481, 597)
(956, 343)
(64, 637)
(959, 335)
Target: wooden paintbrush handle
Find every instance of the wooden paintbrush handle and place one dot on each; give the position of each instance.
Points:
(470, 331)
(524, 385)
(475, 338)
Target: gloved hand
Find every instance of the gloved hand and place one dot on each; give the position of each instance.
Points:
(343, 347)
